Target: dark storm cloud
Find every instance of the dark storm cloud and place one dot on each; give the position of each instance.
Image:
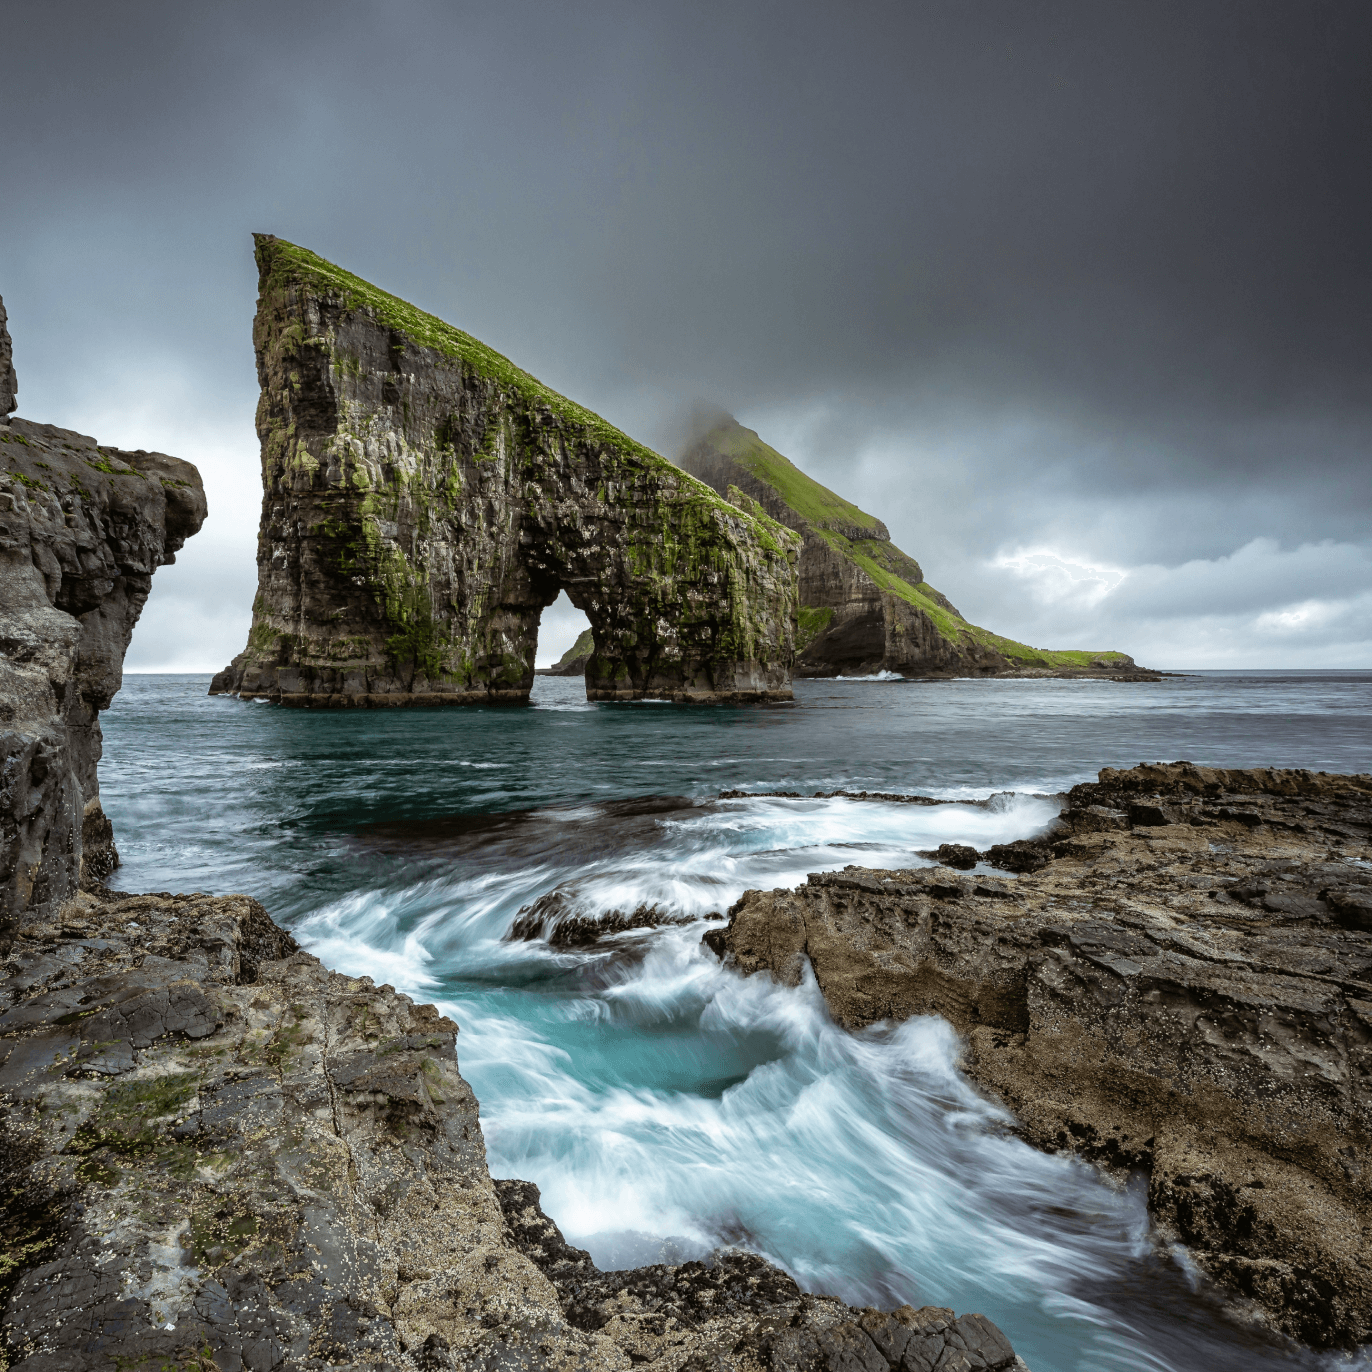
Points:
(1097, 270)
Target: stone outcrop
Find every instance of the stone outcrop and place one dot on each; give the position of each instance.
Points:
(424, 499)
(1179, 981)
(217, 1154)
(82, 530)
(865, 606)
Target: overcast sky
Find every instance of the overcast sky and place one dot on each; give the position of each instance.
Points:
(1075, 296)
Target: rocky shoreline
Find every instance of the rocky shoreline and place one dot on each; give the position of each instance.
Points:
(220, 1154)
(1176, 979)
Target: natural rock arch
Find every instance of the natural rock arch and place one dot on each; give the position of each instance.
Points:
(424, 499)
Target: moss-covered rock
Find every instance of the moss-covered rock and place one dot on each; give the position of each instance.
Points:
(864, 604)
(424, 499)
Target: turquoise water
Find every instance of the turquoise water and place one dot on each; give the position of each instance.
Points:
(663, 1104)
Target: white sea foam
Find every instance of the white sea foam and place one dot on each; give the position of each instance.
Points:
(666, 1105)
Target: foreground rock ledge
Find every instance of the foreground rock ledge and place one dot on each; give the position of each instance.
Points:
(1180, 980)
(218, 1154)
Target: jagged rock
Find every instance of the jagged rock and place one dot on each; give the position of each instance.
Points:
(554, 918)
(1181, 981)
(82, 530)
(424, 499)
(739, 1309)
(960, 855)
(865, 606)
(217, 1153)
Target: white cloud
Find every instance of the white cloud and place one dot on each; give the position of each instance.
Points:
(1260, 606)
(1057, 579)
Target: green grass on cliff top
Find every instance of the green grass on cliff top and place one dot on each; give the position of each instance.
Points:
(823, 507)
(585, 643)
(283, 262)
(802, 493)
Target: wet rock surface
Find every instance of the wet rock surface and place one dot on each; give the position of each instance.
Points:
(739, 1310)
(219, 1154)
(424, 500)
(554, 918)
(1179, 980)
(82, 530)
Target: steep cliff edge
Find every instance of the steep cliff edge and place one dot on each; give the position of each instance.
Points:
(424, 499)
(82, 530)
(864, 605)
(1179, 981)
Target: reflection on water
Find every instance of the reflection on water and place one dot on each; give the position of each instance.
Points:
(664, 1104)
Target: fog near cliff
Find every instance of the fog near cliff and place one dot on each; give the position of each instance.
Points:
(1074, 296)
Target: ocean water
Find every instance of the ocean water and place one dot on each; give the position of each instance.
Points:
(667, 1106)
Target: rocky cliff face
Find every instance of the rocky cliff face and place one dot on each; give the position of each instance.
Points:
(424, 499)
(864, 605)
(1178, 981)
(82, 530)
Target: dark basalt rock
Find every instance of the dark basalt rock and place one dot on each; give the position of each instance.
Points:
(82, 530)
(554, 918)
(215, 1153)
(9, 383)
(424, 499)
(960, 855)
(1179, 981)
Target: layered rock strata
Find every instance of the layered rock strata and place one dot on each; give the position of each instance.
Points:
(1178, 981)
(220, 1155)
(82, 530)
(424, 499)
(865, 606)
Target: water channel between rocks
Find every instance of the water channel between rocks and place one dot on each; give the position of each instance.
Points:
(666, 1105)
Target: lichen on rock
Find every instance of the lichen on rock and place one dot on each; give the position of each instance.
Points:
(424, 500)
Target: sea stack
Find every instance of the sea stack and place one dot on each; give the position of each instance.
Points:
(865, 606)
(424, 499)
(82, 530)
